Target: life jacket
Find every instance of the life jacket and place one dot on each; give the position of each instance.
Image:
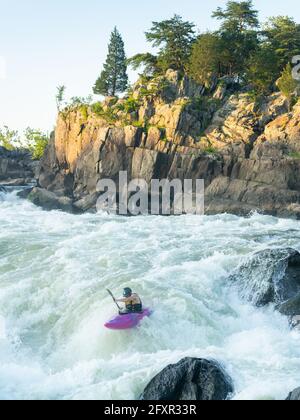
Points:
(134, 307)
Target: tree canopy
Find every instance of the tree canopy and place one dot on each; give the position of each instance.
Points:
(175, 38)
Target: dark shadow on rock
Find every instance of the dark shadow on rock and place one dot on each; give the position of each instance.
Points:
(191, 379)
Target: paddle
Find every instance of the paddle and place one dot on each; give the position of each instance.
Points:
(114, 299)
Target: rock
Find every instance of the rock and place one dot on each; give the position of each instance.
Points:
(294, 396)
(16, 165)
(2, 189)
(87, 203)
(270, 276)
(295, 322)
(18, 182)
(291, 307)
(24, 193)
(190, 380)
(247, 153)
(49, 201)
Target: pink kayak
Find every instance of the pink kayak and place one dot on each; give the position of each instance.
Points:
(128, 321)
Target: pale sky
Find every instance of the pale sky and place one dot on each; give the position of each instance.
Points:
(48, 43)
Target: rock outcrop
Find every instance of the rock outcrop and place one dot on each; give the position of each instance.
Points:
(247, 153)
(190, 380)
(47, 200)
(272, 276)
(294, 396)
(16, 167)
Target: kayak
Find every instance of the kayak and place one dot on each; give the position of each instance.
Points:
(128, 321)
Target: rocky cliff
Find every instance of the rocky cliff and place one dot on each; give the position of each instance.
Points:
(17, 167)
(247, 152)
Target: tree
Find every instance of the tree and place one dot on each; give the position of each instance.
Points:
(238, 16)
(282, 34)
(60, 97)
(206, 58)
(9, 139)
(113, 78)
(262, 70)
(175, 39)
(239, 34)
(287, 84)
(148, 61)
(36, 142)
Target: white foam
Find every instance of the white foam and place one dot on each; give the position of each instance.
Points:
(55, 267)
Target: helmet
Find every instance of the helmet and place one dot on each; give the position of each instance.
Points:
(127, 292)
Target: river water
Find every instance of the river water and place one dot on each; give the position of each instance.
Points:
(55, 267)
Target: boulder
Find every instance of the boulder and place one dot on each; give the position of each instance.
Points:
(191, 379)
(24, 193)
(49, 201)
(291, 307)
(294, 396)
(270, 276)
(18, 182)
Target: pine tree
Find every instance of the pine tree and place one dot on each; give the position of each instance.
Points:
(206, 58)
(239, 22)
(113, 78)
(262, 70)
(175, 39)
(283, 36)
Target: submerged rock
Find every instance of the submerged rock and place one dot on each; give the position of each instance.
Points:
(190, 380)
(294, 396)
(270, 276)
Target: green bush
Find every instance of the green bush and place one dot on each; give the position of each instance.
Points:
(286, 83)
(9, 139)
(294, 155)
(36, 141)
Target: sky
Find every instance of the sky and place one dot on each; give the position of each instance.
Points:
(44, 44)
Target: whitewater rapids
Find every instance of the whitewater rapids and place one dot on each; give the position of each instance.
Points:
(55, 267)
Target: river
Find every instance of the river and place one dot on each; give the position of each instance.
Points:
(54, 271)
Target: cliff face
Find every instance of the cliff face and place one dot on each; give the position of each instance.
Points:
(248, 154)
(16, 167)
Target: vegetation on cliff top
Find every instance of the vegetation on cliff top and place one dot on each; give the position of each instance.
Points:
(255, 54)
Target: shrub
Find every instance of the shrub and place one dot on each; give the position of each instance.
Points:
(9, 139)
(37, 141)
(287, 84)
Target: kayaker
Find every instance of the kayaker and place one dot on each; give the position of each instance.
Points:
(133, 303)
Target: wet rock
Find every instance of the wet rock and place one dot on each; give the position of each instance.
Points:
(18, 182)
(24, 193)
(190, 380)
(291, 307)
(295, 322)
(270, 276)
(294, 396)
(49, 201)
